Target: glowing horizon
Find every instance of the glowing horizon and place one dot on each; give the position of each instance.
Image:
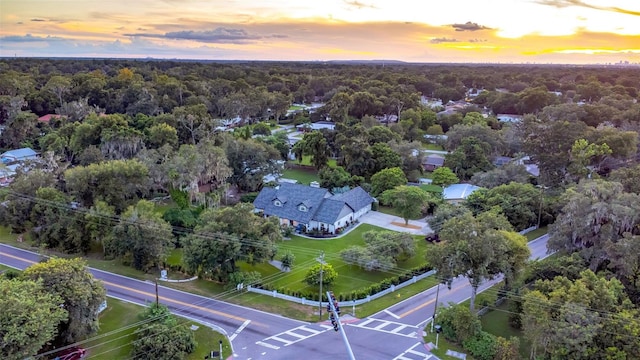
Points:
(501, 31)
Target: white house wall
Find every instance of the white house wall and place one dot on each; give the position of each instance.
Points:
(361, 212)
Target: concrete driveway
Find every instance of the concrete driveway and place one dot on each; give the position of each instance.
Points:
(395, 223)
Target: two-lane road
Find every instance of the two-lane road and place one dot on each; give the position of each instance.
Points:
(394, 333)
(245, 326)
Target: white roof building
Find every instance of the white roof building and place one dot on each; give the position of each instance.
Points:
(458, 192)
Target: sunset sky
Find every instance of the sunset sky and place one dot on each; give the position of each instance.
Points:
(541, 31)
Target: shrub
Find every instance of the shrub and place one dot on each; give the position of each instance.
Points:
(483, 346)
(248, 197)
(458, 323)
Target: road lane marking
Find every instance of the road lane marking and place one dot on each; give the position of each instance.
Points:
(186, 304)
(267, 345)
(414, 352)
(398, 328)
(18, 258)
(153, 295)
(366, 322)
(314, 332)
(391, 314)
(411, 311)
(244, 325)
(285, 341)
(380, 326)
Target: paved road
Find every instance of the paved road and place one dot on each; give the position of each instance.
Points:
(394, 333)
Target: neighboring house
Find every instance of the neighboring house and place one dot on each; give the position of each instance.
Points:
(18, 155)
(457, 193)
(312, 208)
(501, 160)
(316, 126)
(532, 168)
(7, 172)
(387, 118)
(510, 118)
(432, 162)
(49, 117)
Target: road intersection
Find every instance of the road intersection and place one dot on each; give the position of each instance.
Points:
(393, 333)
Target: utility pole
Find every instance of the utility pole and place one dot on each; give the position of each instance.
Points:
(321, 261)
(334, 314)
(433, 319)
(542, 189)
(157, 297)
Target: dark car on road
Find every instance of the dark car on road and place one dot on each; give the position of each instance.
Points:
(73, 353)
(433, 237)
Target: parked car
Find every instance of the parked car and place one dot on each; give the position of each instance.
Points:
(433, 237)
(74, 353)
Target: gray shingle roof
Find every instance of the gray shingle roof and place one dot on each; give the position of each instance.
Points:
(356, 198)
(295, 194)
(321, 207)
(330, 211)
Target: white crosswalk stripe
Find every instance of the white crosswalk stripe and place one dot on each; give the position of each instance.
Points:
(293, 336)
(413, 354)
(386, 326)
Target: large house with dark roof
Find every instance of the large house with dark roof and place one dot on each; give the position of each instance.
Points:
(313, 208)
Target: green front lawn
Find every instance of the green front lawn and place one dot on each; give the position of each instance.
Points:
(302, 175)
(436, 147)
(350, 277)
(115, 341)
(431, 188)
(393, 211)
(306, 161)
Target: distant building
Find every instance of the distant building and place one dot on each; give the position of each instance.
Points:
(457, 193)
(18, 155)
(501, 160)
(432, 162)
(316, 126)
(48, 117)
(510, 118)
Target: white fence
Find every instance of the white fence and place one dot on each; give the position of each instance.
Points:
(528, 230)
(304, 301)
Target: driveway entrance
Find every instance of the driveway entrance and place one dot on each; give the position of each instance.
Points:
(395, 223)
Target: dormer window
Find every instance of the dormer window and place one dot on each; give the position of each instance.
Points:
(277, 202)
(302, 208)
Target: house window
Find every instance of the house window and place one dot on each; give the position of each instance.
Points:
(277, 203)
(302, 208)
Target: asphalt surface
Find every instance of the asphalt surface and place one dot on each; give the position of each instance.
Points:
(394, 333)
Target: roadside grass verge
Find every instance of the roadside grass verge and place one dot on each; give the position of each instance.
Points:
(532, 235)
(496, 322)
(118, 345)
(372, 307)
(443, 346)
